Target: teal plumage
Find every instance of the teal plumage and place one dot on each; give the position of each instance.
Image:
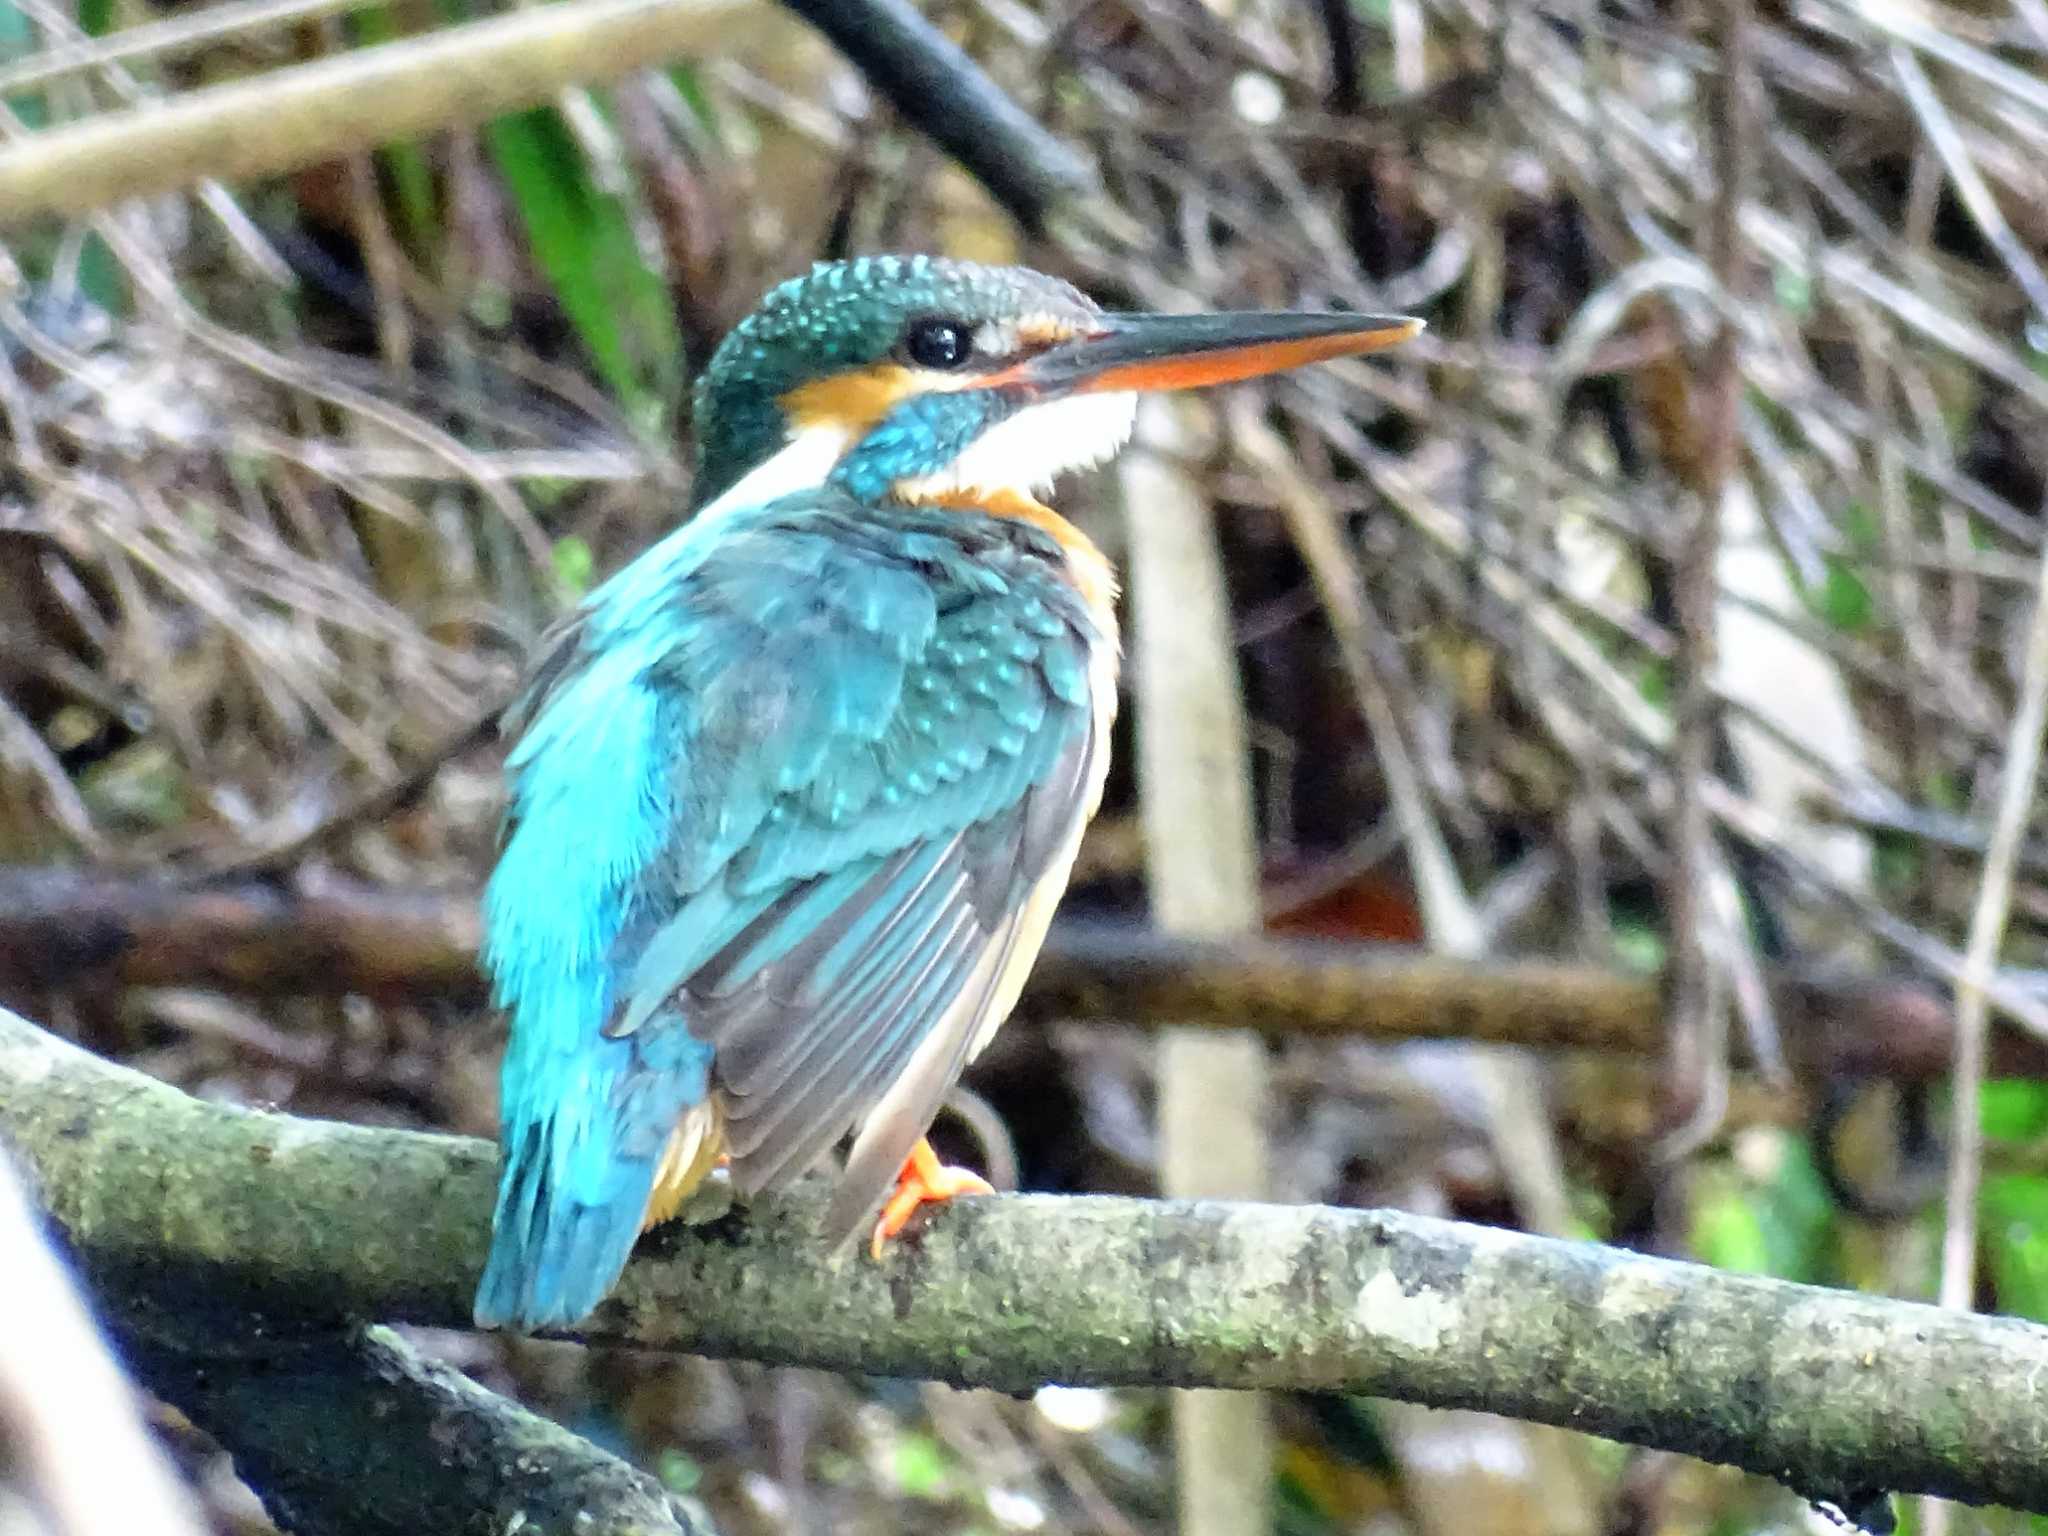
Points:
(794, 793)
(785, 781)
(845, 315)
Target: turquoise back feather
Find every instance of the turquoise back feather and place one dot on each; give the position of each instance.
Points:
(785, 781)
(591, 809)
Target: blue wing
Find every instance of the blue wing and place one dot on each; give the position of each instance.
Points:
(781, 826)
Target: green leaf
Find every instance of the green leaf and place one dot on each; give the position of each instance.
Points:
(1944, 792)
(412, 188)
(1653, 682)
(1843, 601)
(1861, 528)
(1639, 947)
(919, 1467)
(2015, 1109)
(101, 277)
(1764, 1210)
(18, 39)
(582, 240)
(1899, 860)
(1726, 1231)
(2013, 1212)
(1793, 289)
(678, 1472)
(574, 566)
(142, 786)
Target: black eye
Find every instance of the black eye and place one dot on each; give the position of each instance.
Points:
(938, 344)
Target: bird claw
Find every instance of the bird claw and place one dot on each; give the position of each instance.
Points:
(924, 1180)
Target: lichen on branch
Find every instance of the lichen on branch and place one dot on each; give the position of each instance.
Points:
(181, 1212)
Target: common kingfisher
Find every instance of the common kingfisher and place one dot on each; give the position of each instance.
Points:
(794, 794)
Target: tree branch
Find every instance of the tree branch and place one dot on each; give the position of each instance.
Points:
(945, 95)
(305, 113)
(66, 929)
(356, 1435)
(179, 1210)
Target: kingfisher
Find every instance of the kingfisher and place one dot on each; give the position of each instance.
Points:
(793, 795)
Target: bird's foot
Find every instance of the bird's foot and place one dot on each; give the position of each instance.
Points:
(924, 1180)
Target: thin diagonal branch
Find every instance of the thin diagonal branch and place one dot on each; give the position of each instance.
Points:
(945, 95)
(310, 112)
(1697, 983)
(460, 75)
(80, 1457)
(1987, 933)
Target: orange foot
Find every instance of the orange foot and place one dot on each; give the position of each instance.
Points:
(924, 1179)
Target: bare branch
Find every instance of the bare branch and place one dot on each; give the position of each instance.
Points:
(63, 929)
(310, 112)
(463, 74)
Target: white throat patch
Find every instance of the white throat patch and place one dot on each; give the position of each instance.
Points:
(1025, 452)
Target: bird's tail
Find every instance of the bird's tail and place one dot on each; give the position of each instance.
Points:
(587, 1163)
(553, 1258)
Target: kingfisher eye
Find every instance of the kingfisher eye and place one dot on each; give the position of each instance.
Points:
(938, 344)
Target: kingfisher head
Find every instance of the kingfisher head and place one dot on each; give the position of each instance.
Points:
(923, 379)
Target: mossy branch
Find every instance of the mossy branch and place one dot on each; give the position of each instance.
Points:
(187, 1216)
(355, 1434)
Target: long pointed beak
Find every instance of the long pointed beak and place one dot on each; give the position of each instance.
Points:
(1187, 351)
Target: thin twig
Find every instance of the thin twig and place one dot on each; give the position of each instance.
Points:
(1698, 1060)
(372, 805)
(170, 38)
(1968, 181)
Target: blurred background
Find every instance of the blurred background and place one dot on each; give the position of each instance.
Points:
(1663, 614)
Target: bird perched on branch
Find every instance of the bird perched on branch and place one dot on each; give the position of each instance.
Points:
(795, 793)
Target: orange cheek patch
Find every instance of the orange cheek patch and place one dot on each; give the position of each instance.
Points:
(854, 400)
